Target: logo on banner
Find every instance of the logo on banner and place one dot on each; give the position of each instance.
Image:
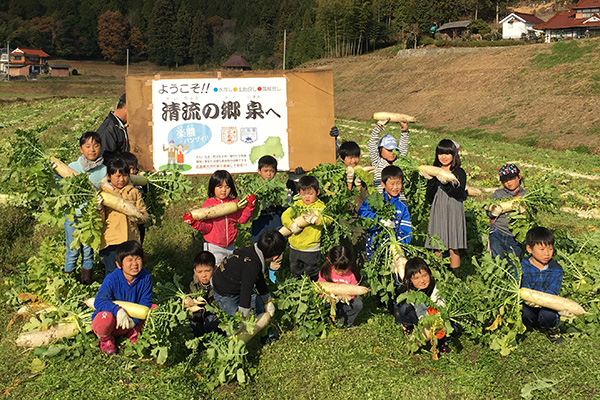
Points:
(249, 135)
(229, 135)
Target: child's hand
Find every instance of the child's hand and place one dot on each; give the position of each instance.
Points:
(99, 202)
(311, 217)
(124, 321)
(295, 228)
(334, 132)
(403, 126)
(388, 223)
(530, 304)
(251, 199)
(270, 308)
(188, 219)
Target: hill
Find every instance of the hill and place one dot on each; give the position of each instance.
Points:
(543, 95)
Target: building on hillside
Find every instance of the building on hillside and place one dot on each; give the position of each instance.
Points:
(455, 30)
(58, 69)
(517, 25)
(24, 62)
(582, 20)
(3, 60)
(237, 62)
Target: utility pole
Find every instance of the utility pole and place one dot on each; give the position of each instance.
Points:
(284, 35)
(127, 73)
(8, 63)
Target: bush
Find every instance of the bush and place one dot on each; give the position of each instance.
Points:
(582, 149)
(441, 43)
(427, 41)
(479, 26)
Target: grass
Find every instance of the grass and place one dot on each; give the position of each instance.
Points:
(565, 52)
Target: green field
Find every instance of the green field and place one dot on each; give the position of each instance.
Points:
(370, 361)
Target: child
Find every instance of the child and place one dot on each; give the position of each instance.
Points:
(542, 273)
(118, 227)
(270, 215)
(90, 162)
(340, 268)
(305, 244)
(239, 283)
(203, 321)
(132, 161)
(391, 182)
(350, 156)
(220, 233)
(130, 282)
(501, 239)
(447, 215)
(382, 151)
(417, 276)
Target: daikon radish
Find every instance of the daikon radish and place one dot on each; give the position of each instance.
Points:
(399, 261)
(218, 210)
(41, 338)
(62, 169)
(134, 310)
(506, 206)
(395, 117)
(261, 323)
(138, 180)
(121, 205)
(473, 191)
(342, 289)
(349, 175)
(441, 174)
(301, 223)
(551, 301)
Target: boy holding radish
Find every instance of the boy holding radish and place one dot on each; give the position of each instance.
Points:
(382, 153)
(392, 179)
(541, 273)
(305, 243)
(130, 282)
(219, 214)
(91, 162)
(119, 227)
(201, 320)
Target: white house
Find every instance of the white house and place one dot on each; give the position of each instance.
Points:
(517, 24)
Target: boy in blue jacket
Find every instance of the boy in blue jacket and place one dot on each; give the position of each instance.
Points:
(129, 282)
(391, 181)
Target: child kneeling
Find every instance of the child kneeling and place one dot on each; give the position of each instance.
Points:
(129, 282)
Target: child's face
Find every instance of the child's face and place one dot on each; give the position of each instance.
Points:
(351, 161)
(131, 267)
(133, 169)
(512, 184)
(393, 186)
(91, 149)
(118, 180)
(541, 254)
(203, 273)
(222, 191)
(267, 172)
(420, 280)
(309, 195)
(445, 159)
(388, 155)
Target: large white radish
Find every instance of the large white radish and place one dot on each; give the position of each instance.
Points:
(342, 289)
(55, 332)
(218, 210)
(62, 169)
(121, 205)
(261, 323)
(551, 301)
(441, 174)
(394, 117)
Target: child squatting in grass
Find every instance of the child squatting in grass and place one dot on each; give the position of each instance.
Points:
(203, 321)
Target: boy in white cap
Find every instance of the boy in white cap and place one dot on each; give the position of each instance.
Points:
(382, 151)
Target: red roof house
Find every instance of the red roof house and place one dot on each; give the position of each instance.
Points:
(582, 20)
(27, 61)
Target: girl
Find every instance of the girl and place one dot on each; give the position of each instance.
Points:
(340, 268)
(447, 216)
(417, 276)
(119, 228)
(501, 240)
(220, 233)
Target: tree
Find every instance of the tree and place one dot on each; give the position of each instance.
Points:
(160, 33)
(181, 36)
(137, 47)
(199, 40)
(113, 36)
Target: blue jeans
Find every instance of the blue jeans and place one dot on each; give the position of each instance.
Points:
(230, 304)
(71, 256)
(542, 317)
(109, 258)
(502, 244)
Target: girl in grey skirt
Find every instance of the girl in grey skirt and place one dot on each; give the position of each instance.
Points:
(447, 216)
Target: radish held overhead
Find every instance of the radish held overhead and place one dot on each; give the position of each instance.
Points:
(394, 117)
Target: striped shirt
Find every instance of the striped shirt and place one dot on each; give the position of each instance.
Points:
(379, 162)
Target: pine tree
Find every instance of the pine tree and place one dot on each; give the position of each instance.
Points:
(199, 40)
(161, 33)
(181, 35)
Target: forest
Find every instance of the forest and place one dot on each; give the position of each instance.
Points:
(205, 33)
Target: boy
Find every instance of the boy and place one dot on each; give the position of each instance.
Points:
(542, 273)
(129, 282)
(391, 183)
(91, 162)
(270, 215)
(305, 244)
(350, 156)
(235, 280)
(204, 266)
(382, 151)
(132, 161)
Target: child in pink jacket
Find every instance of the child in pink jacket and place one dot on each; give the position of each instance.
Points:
(220, 233)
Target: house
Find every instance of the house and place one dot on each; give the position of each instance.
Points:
(582, 20)
(237, 62)
(517, 24)
(24, 62)
(58, 69)
(3, 60)
(456, 29)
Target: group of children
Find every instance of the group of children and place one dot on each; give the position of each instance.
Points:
(235, 279)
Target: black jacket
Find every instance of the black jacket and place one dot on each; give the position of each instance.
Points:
(114, 137)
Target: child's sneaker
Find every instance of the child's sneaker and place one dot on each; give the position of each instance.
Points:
(132, 335)
(107, 344)
(444, 348)
(555, 336)
(408, 330)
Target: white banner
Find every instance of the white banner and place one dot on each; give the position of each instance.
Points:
(202, 125)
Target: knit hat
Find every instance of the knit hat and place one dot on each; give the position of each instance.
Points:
(508, 171)
(388, 142)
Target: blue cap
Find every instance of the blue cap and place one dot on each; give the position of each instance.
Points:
(388, 142)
